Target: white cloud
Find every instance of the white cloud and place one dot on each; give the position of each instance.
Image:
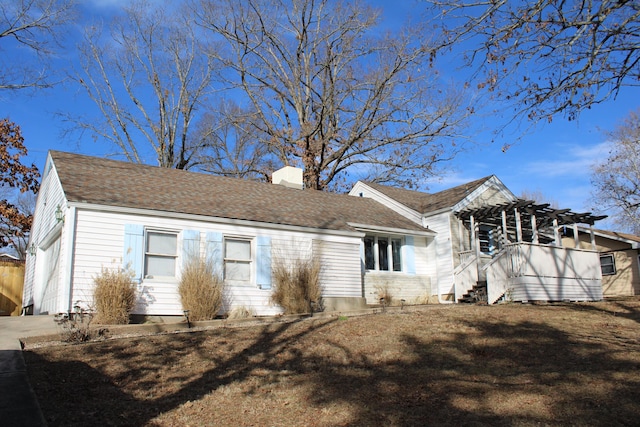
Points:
(569, 161)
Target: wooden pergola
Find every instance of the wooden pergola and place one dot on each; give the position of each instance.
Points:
(526, 221)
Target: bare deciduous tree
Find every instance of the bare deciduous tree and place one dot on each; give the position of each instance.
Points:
(334, 93)
(616, 179)
(232, 149)
(148, 76)
(547, 56)
(36, 26)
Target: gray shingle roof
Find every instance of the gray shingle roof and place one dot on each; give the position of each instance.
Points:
(425, 202)
(114, 183)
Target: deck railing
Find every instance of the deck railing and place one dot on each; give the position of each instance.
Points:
(526, 271)
(465, 275)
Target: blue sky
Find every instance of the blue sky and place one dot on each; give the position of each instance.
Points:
(553, 158)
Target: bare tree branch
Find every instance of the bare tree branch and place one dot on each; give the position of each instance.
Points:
(332, 93)
(148, 77)
(37, 27)
(546, 57)
(229, 146)
(616, 179)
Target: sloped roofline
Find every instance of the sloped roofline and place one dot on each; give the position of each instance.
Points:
(93, 181)
(634, 241)
(426, 204)
(489, 181)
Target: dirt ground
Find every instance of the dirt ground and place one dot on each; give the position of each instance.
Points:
(510, 365)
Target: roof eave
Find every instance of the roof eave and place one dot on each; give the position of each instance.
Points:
(220, 220)
(392, 230)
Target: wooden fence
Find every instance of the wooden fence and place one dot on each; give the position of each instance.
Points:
(11, 284)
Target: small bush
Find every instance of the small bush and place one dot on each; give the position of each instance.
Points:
(201, 289)
(384, 291)
(296, 285)
(114, 296)
(76, 328)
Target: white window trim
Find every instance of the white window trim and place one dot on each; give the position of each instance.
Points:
(376, 253)
(176, 272)
(251, 262)
(612, 263)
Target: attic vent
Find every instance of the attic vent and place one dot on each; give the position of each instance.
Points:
(288, 176)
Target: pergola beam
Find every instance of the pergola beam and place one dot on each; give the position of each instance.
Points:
(541, 217)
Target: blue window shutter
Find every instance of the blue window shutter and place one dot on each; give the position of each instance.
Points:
(214, 251)
(190, 245)
(133, 255)
(409, 255)
(263, 259)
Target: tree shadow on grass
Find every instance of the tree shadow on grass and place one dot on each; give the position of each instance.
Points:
(522, 374)
(624, 309)
(479, 373)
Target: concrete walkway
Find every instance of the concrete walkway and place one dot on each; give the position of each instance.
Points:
(18, 403)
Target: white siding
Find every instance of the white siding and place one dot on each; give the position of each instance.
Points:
(444, 281)
(44, 230)
(100, 240)
(425, 256)
(341, 268)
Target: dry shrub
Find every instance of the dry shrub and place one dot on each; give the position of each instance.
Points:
(114, 296)
(384, 291)
(296, 285)
(241, 313)
(201, 289)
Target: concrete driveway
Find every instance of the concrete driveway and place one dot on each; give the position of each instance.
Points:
(18, 403)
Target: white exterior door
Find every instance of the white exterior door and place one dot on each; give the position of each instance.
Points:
(50, 279)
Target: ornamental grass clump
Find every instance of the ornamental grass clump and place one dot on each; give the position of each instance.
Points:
(201, 289)
(297, 286)
(114, 296)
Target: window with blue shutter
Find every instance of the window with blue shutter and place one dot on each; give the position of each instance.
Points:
(388, 253)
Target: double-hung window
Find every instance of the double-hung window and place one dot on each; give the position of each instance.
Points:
(237, 260)
(383, 253)
(160, 254)
(607, 264)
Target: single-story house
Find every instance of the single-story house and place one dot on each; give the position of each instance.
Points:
(619, 259)
(95, 213)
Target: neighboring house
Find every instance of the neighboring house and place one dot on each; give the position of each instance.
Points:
(474, 239)
(94, 213)
(619, 259)
(493, 245)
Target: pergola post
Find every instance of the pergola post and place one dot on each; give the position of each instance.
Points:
(518, 226)
(461, 238)
(593, 237)
(576, 237)
(534, 229)
(474, 237)
(556, 232)
(504, 228)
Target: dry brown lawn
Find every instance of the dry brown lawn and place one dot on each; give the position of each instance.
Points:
(570, 364)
